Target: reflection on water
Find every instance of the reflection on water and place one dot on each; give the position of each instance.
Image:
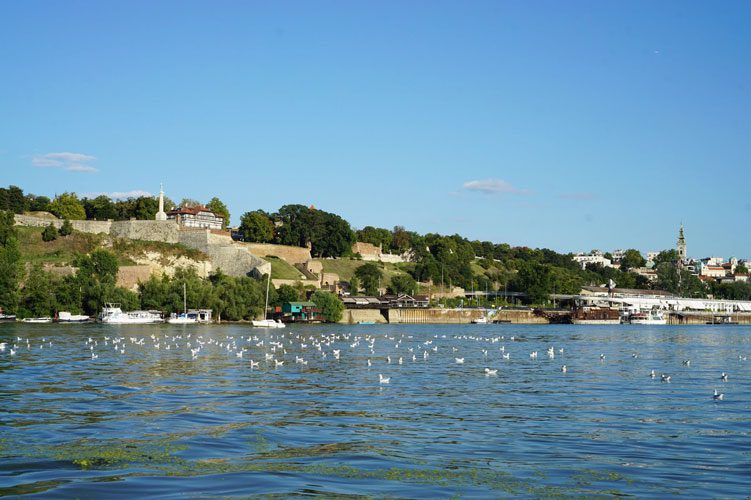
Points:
(87, 410)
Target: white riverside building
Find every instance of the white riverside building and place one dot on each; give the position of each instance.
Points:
(662, 302)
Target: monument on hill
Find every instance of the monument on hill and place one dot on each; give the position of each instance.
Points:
(161, 215)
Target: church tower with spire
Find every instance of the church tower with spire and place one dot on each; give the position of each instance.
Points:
(681, 246)
(160, 215)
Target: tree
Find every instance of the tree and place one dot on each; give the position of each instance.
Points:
(100, 208)
(66, 229)
(632, 259)
(375, 236)
(286, 293)
(668, 256)
(354, 285)
(10, 273)
(370, 276)
(219, 208)
(12, 199)
(400, 239)
(535, 280)
(7, 229)
(96, 278)
(49, 233)
(256, 227)
(402, 283)
(329, 304)
(741, 269)
(37, 203)
(38, 294)
(68, 206)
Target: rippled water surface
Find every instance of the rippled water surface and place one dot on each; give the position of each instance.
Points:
(97, 410)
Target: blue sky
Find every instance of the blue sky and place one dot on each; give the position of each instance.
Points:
(568, 125)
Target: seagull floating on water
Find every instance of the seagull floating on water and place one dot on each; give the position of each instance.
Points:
(488, 371)
(383, 380)
(718, 396)
(724, 377)
(459, 361)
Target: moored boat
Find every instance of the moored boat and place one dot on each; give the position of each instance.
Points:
(267, 323)
(596, 316)
(6, 317)
(44, 319)
(114, 315)
(653, 317)
(67, 317)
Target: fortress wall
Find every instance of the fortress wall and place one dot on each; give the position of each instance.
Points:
(84, 226)
(434, 315)
(149, 230)
(293, 255)
(353, 316)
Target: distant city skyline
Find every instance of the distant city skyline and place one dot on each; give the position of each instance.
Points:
(570, 126)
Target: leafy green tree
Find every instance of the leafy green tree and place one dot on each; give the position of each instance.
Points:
(632, 259)
(37, 203)
(535, 280)
(12, 199)
(370, 276)
(256, 227)
(354, 285)
(401, 240)
(741, 269)
(327, 234)
(402, 283)
(666, 256)
(49, 233)
(219, 208)
(286, 293)
(7, 226)
(96, 278)
(66, 229)
(68, 206)
(375, 236)
(331, 307)
(38, 294)
(11, 272)
(100, 208)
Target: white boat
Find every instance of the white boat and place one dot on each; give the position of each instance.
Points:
(113, 315)
(45, 319)
(6, 317)
(266, 322)
(184, 318)
(480, 321)
(67, 317)
(653, 317)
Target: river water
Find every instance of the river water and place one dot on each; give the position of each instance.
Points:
(106, 411)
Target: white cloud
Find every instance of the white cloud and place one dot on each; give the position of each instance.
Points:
(70, 162)
(493, 186)
(120, 195)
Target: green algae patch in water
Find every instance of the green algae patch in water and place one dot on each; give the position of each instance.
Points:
(94, 454)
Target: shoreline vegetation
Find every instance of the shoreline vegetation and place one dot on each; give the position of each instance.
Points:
(32, 284)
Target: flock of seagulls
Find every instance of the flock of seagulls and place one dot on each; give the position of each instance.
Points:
(271, 349)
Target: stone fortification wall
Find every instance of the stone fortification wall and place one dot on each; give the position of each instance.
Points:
(354, 316)
(84, 226)
(293, 255)
(434, 315)
(148, 230)
(129, 276)
(231, 257)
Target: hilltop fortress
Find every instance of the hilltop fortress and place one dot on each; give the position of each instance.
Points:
(233, 258)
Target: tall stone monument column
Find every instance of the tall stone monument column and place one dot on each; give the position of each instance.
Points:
(160, 215)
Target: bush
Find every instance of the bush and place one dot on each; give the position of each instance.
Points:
(329, 304)
(66, 229)
(49, 233)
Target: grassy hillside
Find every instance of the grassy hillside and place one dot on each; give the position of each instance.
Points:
(282, 270)
(63, 250)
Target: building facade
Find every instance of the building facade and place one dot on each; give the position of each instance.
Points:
(196, 217)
